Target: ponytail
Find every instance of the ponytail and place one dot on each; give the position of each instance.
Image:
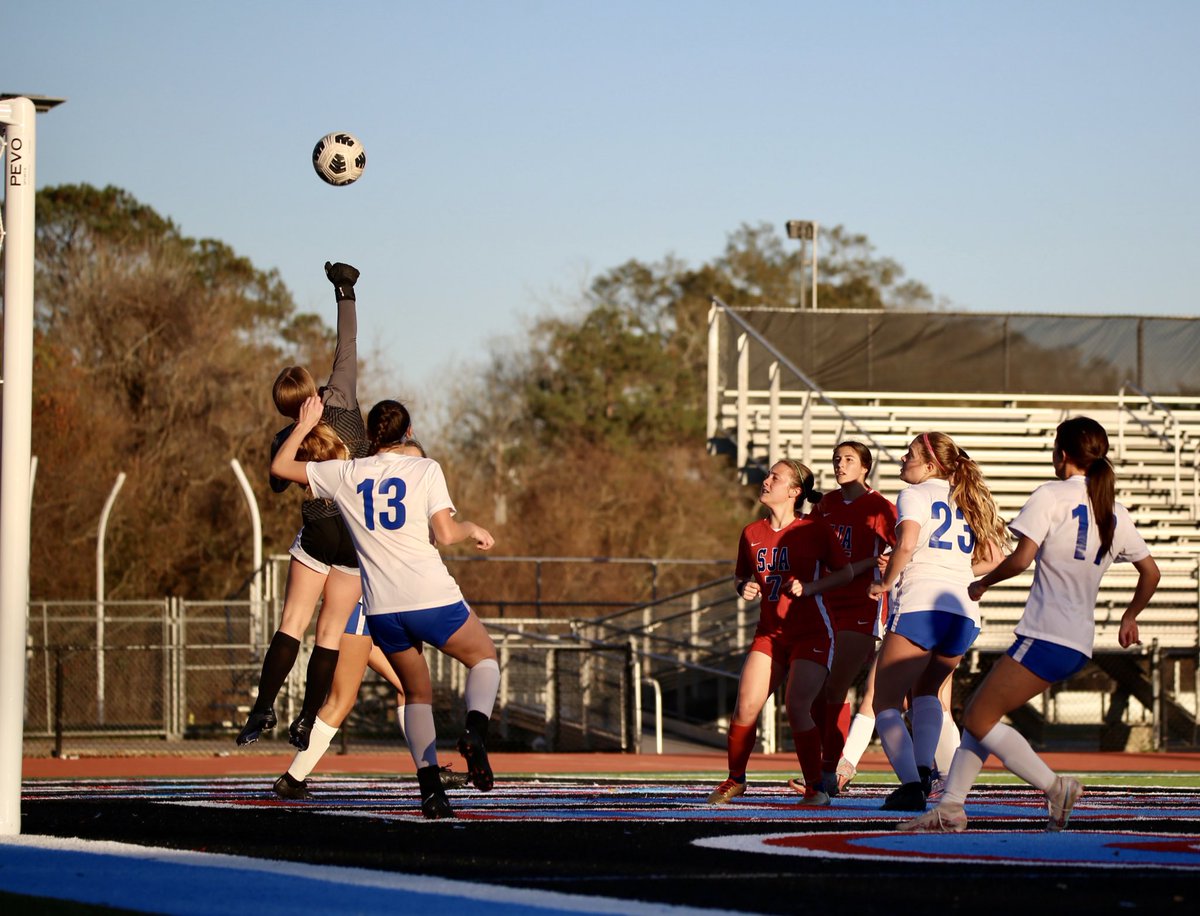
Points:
(803, 478)
(388, 424)
(969, 491)
(1085, 442)
(322, 444)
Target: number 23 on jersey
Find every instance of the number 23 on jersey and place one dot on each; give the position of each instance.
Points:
(943, 538)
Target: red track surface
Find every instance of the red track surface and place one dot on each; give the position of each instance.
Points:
(235, 764)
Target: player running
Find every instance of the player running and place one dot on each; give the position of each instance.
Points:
(778, 562)
(390, 501)
(864, 521)
(1072, 529)
(948, 532)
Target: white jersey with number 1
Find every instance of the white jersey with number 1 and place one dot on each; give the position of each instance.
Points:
(1062, 601)
(387, 501)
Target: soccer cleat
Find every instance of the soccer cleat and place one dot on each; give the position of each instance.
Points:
(257, 722)
(909, 797)
(292, 789)
(434, 804)
(937, 786)
(452, 780)
(829, 783)
(846, 771)
(474, 751)
(300, 731)
(727, 792)
(1060, 799)
(942, 819)
(814, 798)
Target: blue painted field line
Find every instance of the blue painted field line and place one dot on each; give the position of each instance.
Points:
(183, 883)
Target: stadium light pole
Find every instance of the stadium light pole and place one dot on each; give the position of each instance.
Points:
(18, 115)
(805, 231)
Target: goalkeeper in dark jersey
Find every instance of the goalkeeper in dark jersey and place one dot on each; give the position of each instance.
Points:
(323, 565)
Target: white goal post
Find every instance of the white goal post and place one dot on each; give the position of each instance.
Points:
(17, 115)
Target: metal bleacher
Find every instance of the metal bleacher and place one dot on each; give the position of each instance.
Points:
(1155, 447)
(684, 650)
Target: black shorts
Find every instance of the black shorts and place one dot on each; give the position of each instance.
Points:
(327, 540)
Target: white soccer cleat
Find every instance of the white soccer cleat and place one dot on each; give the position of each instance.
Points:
(1060, 799)
(942, 819)
(846, 771)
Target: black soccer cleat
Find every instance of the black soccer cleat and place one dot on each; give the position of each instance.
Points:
(257, 722)
(474, 751)
(434, 803)
(909, 797)
(292, 789)
(926, 774)
(300, 731)
(452, 780)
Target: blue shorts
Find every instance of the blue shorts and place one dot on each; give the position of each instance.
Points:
(1048, 660)
(402, 630)
(357, 624)
(942, 632)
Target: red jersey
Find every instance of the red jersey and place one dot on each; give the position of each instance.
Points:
(864, 528)
(774, 558)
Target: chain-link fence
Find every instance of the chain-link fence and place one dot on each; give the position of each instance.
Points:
(126, 677)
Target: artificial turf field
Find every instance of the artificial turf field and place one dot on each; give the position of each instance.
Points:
(592, 842)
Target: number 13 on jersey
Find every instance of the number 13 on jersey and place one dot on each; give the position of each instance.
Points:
(391, 491)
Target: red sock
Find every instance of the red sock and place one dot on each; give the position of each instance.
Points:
(741, 744)
(833, 736)
(818, 712)
(808, 752)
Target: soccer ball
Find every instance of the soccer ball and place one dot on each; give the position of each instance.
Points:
(339, 158)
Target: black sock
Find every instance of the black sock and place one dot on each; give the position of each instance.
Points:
(321, 664)
(477, 722)
(280, 657)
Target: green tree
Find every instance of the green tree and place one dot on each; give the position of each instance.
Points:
(587, 440)
(154, 355)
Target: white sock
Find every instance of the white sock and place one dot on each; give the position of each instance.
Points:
(421, 734)
(483, 683)
(897, 744)
(862, 727)
(400, 721)
(318, 743)
(947, 744)
(926, 728)
(1018, 757)
(964, 770)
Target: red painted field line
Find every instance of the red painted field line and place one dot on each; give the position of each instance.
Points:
(259, 764)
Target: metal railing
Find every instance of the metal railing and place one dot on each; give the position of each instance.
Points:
(748, 333)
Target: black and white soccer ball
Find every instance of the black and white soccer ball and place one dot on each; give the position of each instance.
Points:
(339, 158)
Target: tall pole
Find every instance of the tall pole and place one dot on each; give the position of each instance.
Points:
(100, 531)
(816, 229)
(256, 584)
(802, 275)
(18, 115)
(805, 230)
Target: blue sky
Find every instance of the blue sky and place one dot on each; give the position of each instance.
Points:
(1028, 156)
